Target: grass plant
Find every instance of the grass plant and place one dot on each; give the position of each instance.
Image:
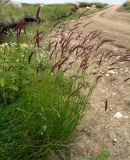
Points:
(103, 155)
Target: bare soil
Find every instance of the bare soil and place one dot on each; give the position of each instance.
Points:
(109, 129)
(114, 24)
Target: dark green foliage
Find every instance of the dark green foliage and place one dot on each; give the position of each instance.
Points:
(87, 4)
(126, 6)
(100, 5)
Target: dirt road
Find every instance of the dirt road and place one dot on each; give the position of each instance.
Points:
(114, 24)
(110, 129)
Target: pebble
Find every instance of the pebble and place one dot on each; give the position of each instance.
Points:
(126, 70)
(107, 75)
(113, 94)
(115, 49)
(103, 91)
(126, 133)
(118, 115)
(126, 117)
(111, 72)
(115, 140)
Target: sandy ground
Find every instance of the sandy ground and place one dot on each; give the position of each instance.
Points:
(114, 24)
(110, 129)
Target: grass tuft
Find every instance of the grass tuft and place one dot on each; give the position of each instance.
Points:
(43, 119)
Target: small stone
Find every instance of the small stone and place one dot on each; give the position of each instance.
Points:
(107, 75)
(118, 115)
(122, 62)
(126, 70)
(111, 72)
(126, 117)
(113, 94)
(115, 140)
(126, 133)
(106, 127)
(103, 91)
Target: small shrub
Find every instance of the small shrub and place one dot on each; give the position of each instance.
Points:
(14, 71)
(85, 4)
(100, 5)
(126, 6)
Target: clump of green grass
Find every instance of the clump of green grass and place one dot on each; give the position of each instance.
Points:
(42, 120)
(103, 155)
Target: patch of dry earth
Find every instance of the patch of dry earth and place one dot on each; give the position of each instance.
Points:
(108, 129)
